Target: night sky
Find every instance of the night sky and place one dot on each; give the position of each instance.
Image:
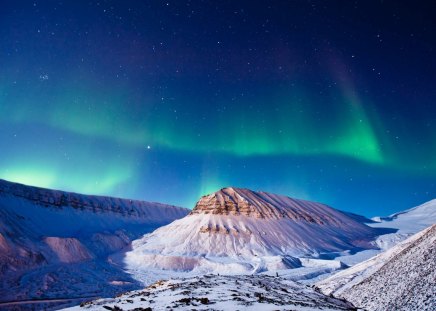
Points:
(331, 101)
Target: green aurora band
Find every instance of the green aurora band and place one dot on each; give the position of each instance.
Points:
(272, 122)
(287, 123)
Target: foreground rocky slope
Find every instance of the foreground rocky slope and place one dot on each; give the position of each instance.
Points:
(212, 292)
(402, 278)
(242, 231)
(55, 243)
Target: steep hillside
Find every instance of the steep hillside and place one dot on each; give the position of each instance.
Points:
(402, 278)
(45, 235)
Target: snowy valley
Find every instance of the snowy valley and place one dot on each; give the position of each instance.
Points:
(237, 249)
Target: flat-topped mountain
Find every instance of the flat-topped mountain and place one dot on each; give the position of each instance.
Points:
(239, 230)
(235, 201)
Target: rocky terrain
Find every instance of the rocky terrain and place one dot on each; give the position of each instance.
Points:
(402, 278)
(214, 292)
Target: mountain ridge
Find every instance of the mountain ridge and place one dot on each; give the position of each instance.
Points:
(59, 198)
(49, 235)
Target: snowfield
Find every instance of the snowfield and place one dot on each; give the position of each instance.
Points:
(407, 222)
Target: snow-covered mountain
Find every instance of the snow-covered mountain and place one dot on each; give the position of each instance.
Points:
(402, 278)
(410, 221)
(56, 243)
(243, 231)
(405, 223)
(397, 227)
(212, 292)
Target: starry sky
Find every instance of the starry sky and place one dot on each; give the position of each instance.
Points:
(170, 100)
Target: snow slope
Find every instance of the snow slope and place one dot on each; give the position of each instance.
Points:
(242, 231)
(212, 292)
(411, 220)
(46, 235)
(402, 278)
(401, 225)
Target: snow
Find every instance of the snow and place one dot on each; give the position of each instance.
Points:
(104, 246)
(401, 278)
(68, 250)
(411, 220)
(49, 236)
(404, 224)
(238, 231)
(214, 292)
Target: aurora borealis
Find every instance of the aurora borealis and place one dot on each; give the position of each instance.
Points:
(167, 101)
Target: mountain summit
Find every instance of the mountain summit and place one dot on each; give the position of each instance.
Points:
(240, 230)
(236, 201)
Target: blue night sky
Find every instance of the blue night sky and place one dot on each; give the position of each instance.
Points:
(170, 100)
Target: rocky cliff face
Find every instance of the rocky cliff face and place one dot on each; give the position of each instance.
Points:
(234, 201)
(56, 199)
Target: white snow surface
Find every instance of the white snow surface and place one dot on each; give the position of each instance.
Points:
(212, 292)
(401, 278)
(406, 223)
(242, 232)
(412, 220)
(98, 243)
(49, 236)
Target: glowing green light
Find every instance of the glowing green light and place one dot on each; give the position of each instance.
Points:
(42, 177)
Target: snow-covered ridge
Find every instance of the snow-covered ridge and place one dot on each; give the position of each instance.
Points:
(96, 204)
(411, 220)
(212, 292)
(49, 235)
(426, 208)
(402, 278)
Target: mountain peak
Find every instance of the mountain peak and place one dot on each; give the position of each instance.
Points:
(240, 201)
(252, 231)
